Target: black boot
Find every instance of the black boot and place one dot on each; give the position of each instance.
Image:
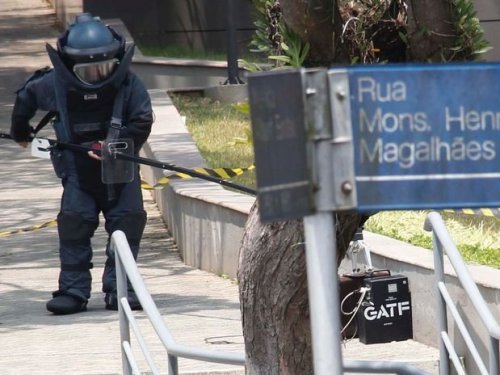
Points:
(64, 304)
(111, 301)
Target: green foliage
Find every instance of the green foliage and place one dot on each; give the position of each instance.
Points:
(284, 49)
(212, 125)
(243, 107)
(272, 37)
(476, 237)
(470, 43)
(295, 51)
(269, 26)
(475, 254)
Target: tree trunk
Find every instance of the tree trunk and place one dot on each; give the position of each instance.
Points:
(272, 270)
(430, 30)
(273, 290)
(317, 22)
(273, 284)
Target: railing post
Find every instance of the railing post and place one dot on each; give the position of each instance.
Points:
(173, 366)
(121, 284)
(494, 356)
(324, 303)
(444, 365)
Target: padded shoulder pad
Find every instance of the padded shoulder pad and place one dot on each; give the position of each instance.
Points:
(37, 74)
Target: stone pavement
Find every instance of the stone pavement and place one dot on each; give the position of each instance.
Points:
(200, 308)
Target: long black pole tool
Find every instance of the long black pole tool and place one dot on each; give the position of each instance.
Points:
(150, 162)
(190, 172)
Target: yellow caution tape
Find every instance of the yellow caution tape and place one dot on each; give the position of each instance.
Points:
(490, 212)
(48, 224)
(224, 173)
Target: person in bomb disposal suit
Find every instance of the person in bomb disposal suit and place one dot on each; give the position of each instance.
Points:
(96, 97)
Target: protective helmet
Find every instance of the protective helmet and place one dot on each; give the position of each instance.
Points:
(91, 49)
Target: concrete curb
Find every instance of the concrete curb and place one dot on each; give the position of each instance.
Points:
(206, 220)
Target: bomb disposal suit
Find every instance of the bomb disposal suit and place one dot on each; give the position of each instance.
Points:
(96, 98)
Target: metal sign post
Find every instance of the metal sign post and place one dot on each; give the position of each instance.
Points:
(280, 109)
(324, 306)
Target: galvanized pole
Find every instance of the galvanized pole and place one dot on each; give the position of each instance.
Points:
(173, 365)
(494, 362)
(121, 283)
(324, 305)
(442, 319)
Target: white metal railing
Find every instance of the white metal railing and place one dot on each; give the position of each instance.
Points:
(442, 242)
(127, 268)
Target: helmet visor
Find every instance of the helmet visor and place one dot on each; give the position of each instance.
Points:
(94, 72)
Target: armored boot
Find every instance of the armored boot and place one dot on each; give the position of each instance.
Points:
(64, 304)
(111, 300)
(75, 255)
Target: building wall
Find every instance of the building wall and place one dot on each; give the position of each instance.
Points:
(199, 24)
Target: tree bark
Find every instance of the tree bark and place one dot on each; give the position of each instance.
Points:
(430, 30)
(273, 290)
(273, 284)
(317, 22)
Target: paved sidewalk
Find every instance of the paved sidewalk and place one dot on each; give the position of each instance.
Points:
(200, 308)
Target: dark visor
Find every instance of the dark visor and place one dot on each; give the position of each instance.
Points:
(94, 72)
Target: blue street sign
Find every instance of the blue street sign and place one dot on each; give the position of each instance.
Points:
(425, 136)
